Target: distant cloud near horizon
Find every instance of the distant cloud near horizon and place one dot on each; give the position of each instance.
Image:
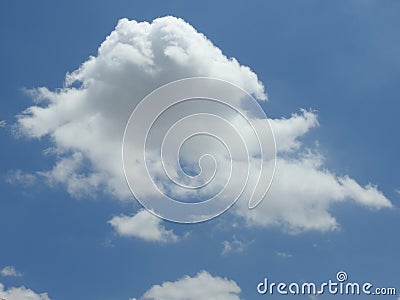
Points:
(21, 293)
(203, 286)
(85, 126)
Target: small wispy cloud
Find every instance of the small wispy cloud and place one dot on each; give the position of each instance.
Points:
(235, 245)
(10, 271)
(284, 254)
(20, 177)
(3, 123)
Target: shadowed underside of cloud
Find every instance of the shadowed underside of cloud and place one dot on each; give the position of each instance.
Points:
(86, 125)
(203, 286)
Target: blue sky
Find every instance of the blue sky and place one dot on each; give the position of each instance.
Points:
(340, 60)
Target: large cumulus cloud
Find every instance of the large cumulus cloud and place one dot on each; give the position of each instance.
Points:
(85, 121)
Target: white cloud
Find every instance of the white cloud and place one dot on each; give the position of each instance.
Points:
(288, 130)
(303, 190)
(86, 125)
(143, 225)
(203, 286)
(10, 271)
(3, 123)
(302, 194)
(284, 254)
(235, 245)
(65, 172)
(21, 293)
(20, 177)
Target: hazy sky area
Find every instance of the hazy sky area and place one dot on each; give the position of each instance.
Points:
(325, 73)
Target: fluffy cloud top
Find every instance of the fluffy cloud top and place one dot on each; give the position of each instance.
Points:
(203, 286)
(21, 293)
(86, 125)
(143, 225)
(10, 271)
